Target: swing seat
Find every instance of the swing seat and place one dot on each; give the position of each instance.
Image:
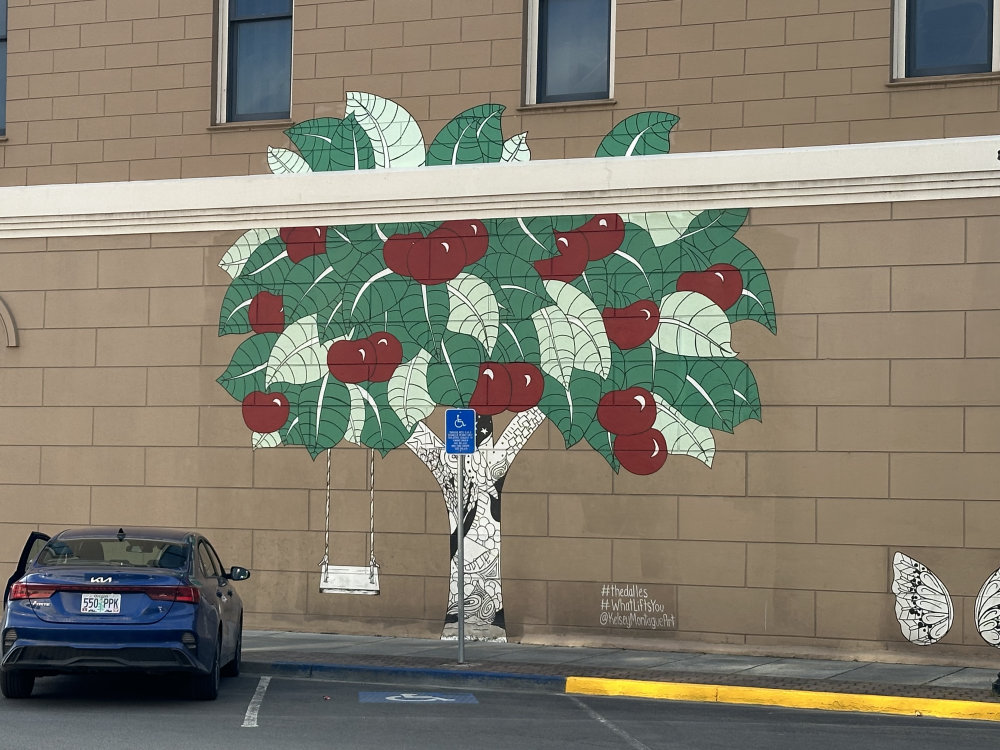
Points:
(349, 579)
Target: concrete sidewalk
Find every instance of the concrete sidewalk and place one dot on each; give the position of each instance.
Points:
(908, 689)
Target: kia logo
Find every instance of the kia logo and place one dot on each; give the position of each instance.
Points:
(100, 579)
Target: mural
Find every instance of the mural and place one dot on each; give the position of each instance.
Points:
(8, 325)
(924, 607)
(615, 328)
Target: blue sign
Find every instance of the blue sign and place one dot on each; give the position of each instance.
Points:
(432, 698)
(460, 431)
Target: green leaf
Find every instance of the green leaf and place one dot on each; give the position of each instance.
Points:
(234, 317)
(247, 369)
(395, 136)
(322, 409)
(756, 302)
(473, 310)
(515, 149)
(311, 287)
(571, 334)
(517, 342)
(383, 430)
(683, 437)
(236, 256)
(638, 135)
(407, 392)
(423, 315)
(454, 369)
(621, 278)
(709, 398)
(691, 325)
(328, 144)
(284, 161)
(518, 288)
(603, 442)
(472, 137)
(664, 227)
(346, 245)
(572, 409)
(529, 239)
(372, 291)
(268, 265)
(297, 356)
(708, 231)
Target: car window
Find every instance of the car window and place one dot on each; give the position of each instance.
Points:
(208, 566)
(215, 558)
(152, 553)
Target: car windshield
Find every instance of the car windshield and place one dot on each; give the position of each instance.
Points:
(152, 553)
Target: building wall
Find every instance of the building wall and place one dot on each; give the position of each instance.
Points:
(880, 390)
(122, 89)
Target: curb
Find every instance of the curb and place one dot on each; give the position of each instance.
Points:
(821, 701)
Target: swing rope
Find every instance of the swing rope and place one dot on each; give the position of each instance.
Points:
(372, 562)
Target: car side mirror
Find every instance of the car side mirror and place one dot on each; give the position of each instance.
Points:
(236, 573)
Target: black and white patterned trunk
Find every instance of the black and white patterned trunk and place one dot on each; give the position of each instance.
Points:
(485, 472)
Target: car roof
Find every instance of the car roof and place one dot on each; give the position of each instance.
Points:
(134, 532)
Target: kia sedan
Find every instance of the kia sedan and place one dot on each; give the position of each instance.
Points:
(105, 600)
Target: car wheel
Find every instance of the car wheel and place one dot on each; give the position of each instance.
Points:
(232, 669)
(16, 683)
(205, 687)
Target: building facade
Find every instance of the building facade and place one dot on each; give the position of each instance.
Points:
(154, 151)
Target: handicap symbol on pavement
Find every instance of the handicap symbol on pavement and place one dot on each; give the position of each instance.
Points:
(378, 697)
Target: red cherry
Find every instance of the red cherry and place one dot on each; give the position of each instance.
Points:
(644, 453)
(265, 412)
(526, 386)
(628, 327)
(351, 361)
(303, 242)
(388, 356)
(574, 254)
(627, 412)
(266, 313)
(473, 234)
(396, 250)
(492, 393)
(435, 261)
(605, 234)
(721, 283)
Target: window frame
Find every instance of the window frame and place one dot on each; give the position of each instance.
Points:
(900, 31)
(5, 14)
(223, 29)
(532, 39)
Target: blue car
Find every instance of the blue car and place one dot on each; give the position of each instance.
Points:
(105, 599)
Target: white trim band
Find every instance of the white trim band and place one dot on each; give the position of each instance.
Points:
(865, 173)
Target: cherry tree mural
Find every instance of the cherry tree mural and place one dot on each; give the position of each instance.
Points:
(616, 328)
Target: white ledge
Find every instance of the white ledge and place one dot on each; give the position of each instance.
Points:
(861, 173)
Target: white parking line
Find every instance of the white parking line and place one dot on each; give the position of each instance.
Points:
(250, 720)
(629, 739)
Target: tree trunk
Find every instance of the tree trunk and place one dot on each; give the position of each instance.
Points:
(485, 472)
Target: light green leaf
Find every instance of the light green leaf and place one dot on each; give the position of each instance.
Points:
(236, 256)
(571, 334)
(283, 161)
(691, 325)
(265, 440)
(474, 310)
(515, 149)
(298, 356)
(682, 436)
(395, 136)
(408, 394)
(356, 415)
(663, 226)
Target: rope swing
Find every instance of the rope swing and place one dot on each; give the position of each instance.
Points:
(350, 579)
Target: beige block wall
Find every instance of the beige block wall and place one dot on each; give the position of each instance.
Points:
(880, 402)
(104, 90)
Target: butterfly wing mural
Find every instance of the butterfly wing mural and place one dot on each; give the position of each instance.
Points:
(923, 605)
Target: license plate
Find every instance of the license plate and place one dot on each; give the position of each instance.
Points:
(101, 604)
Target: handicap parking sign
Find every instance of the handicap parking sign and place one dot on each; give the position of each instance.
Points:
(460, 431)
(431, 698)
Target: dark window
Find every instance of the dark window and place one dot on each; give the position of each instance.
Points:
(259, 69)
(574, 50)
(948, 37)
(3, 67)
(208, 562)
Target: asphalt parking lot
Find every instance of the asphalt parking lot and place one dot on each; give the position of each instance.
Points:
(268, 711)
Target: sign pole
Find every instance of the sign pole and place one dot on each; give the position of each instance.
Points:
(460, 530)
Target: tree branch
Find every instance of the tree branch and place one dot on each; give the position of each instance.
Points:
(429, 449)
(520, 429)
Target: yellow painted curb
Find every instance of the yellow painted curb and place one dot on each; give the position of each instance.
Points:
(882, 704)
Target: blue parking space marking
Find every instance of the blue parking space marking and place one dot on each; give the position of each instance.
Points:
(428, 698)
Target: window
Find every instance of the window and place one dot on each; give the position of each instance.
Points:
(3, 67)
(945, 37)
(570, 50)
(255, 60)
